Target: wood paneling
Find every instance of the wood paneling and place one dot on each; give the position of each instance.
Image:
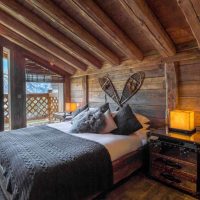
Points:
(93, 16)
(150, 100)
(191, 11)
(34, 49)
(172, 19)
(40, 41)
(30, 19)
(67, 90)
(1, 91)
(189, 88)
(145, 18)
(61, 20)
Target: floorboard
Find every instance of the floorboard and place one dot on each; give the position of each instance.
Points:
(139, 187)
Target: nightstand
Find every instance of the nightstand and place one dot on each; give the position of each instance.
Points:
(174, 159)
(62, 116)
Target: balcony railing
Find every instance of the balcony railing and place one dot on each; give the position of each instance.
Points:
(38, 106)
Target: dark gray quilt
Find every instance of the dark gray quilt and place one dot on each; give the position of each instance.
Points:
(42, 163)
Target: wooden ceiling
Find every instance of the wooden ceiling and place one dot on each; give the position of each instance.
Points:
(75, 34)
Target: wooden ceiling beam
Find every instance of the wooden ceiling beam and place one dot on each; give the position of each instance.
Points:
(191, 11)
(40, 41)
(72, 29)
(34, 49)
(92, 13)
(31, 20)
(141, 14)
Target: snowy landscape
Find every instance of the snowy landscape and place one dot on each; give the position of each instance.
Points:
(30, 86)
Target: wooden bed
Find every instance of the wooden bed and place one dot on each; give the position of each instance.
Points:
(125, 166)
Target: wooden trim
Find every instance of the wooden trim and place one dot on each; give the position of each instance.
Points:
(40, 41)
(67, 90)
(1, 91)
(72, 28)
(141, 14)
(17, 90)
(29, 46)
(149, 61)
(35, 23)
(171, 78)
(85, 90)
(191, 11)
(92, 13)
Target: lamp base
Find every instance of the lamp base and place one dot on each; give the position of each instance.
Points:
(183, 131)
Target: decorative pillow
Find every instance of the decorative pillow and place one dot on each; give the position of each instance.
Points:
(110, 124)
(75, 113)
(126, 122)
(104, 107)
(88, 122)
(142, 119)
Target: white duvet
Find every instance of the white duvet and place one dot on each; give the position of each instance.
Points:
(117, 145)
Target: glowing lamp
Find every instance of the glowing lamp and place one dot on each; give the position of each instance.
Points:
(182, 121)
(70, 107)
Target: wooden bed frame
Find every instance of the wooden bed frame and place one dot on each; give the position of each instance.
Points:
(127, 164)
(124, 167)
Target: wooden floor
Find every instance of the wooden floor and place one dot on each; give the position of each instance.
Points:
(140, 187)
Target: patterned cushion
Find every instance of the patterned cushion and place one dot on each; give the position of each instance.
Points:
(88, 122)
(126, 122)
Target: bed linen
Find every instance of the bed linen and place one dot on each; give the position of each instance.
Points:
(117, 145)
(41, 163)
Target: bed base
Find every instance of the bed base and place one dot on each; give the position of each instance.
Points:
(126, 165)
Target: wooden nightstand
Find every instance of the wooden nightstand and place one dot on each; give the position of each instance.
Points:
(174, 159)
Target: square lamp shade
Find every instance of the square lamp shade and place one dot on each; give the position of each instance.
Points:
(70, 107)
(182, 121)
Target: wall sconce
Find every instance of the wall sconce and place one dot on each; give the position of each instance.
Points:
(182, 121)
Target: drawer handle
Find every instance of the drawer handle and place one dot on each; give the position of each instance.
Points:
(169, 163)
(170, 177)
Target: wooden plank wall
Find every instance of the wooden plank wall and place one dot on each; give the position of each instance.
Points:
(149, 101)
(189, 87)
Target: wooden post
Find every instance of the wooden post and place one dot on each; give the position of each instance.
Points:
(17, 90)
(171, 80)
(85, 89)
(67, 90)
(1, 91)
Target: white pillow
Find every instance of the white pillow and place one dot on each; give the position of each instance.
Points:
(142, 119)
(110, 123)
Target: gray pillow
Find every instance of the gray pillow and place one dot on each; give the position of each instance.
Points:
(88, 122)
(126, 122)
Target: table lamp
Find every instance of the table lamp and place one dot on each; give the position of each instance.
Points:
(182, 121)
(70, 107)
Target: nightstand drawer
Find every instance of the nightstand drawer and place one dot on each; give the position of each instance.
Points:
(181, 151)
(174, 179)
(170, 163)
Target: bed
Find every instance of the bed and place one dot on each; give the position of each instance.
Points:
(125, 155)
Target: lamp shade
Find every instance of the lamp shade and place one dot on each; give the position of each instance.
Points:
(182, 120)
(70, 107)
